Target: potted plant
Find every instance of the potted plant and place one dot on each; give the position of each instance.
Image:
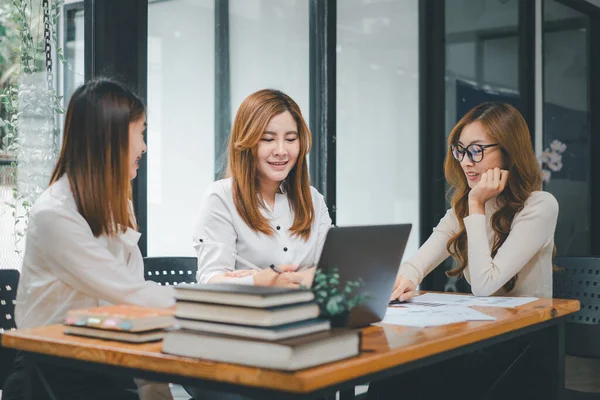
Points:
(30, 103)
(335, 301)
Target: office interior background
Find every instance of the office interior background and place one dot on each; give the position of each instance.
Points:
(381, 83)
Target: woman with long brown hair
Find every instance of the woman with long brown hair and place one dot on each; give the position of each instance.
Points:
(81, 249)
(265, 213)
(500, 229)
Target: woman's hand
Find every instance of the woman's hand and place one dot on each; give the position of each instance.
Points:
(307, 276)
(240, 273)
(491, 183)
(404, 289)
(288, 278)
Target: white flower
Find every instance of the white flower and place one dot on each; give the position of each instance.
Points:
(554, 158)
(557, 145)
(545, 156)
(555, 166)
(551, 159)
(562, 149)
(546, 175)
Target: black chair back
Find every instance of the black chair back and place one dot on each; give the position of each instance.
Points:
(9, 281)
(578, 278)
(170, 270)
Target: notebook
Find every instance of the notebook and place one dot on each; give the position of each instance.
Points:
(121, 336)
(121, 318)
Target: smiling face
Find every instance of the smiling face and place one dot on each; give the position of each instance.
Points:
(474, 133)
(137, 146)
(277, 150)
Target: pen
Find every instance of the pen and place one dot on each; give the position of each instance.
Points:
(276, 269)
(245, 262)
(301, 268)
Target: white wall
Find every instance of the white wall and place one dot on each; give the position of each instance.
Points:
(180, 120)
(377, 115)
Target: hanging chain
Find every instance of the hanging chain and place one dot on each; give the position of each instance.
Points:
(48, 45)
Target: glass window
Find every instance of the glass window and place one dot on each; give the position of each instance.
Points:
(73, 47)
(269, 49)
(482, 64)
(482, 55)
(566, 138)
(180, 120)
(378, 114)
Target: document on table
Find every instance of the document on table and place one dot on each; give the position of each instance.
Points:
(416, 315)
(441, 299)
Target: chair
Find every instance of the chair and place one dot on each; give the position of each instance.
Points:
(170, 270)
(578, 278)
(9, 280)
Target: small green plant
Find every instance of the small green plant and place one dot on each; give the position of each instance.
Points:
(31, 104)
(332, 299)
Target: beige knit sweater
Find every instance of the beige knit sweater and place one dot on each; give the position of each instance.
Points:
(527, 251)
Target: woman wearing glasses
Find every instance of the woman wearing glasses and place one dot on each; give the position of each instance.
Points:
(500, 229)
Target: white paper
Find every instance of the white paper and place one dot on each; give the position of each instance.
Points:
(423, 316)
(432, 299)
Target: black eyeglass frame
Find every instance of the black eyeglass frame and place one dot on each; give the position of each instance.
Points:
(468, 152)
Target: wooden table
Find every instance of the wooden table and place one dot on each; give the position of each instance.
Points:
(387, 350)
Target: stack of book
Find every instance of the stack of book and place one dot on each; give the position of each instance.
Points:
(125, 323)
(266, 327)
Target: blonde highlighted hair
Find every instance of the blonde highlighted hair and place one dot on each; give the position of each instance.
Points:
(250, 123)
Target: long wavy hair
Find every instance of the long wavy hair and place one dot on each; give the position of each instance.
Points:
(250, 123)
(505, 126)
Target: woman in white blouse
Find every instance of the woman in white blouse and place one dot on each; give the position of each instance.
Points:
(81, 246)
(500, 230)
(265, 213)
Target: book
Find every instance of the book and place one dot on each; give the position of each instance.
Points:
(271, 316)
(121, 336)
(288, 354)
(242, 295)
(266, 333)
(121, 318)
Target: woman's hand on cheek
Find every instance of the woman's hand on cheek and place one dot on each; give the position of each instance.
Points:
(491, 183)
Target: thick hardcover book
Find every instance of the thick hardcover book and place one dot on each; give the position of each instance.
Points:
(242, 295)
(266, 333)
(287, 354)
(271, 316)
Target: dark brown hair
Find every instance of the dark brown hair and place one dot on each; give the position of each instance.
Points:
(95, 153)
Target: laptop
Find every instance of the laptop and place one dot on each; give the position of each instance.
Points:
(371, 253)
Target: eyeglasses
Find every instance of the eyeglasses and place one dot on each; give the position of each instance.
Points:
(473, 151)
